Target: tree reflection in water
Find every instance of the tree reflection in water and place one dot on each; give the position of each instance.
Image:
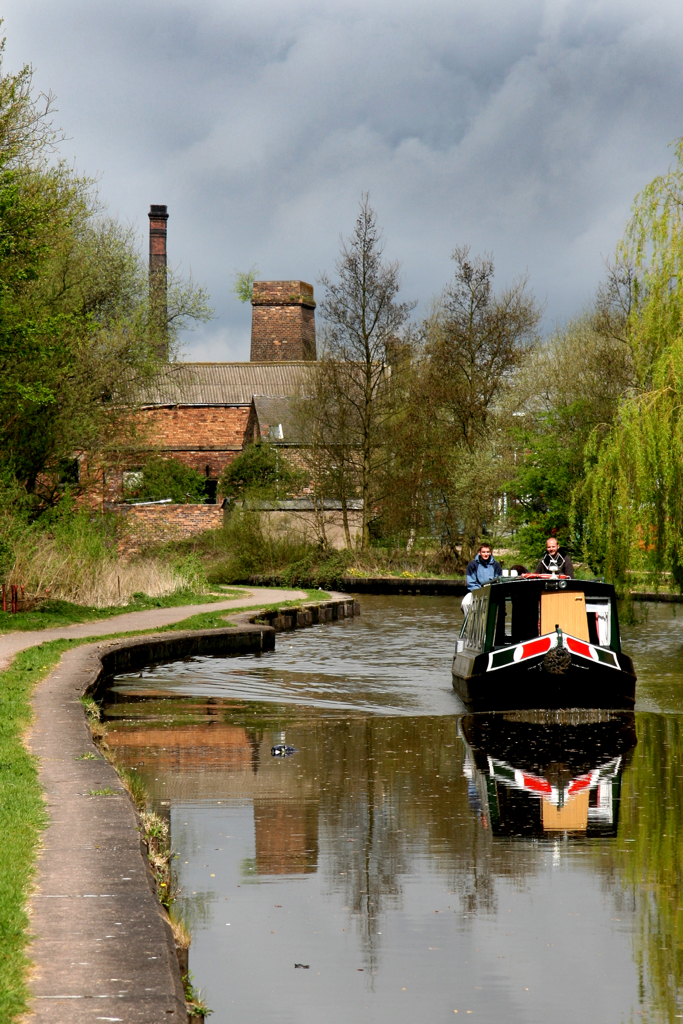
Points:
(377, 805)
(369, 799)
(648, 861)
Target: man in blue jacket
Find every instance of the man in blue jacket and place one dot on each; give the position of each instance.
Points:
(480, 570)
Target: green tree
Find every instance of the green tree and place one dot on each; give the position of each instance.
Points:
(474, 343)
(566, 391)
(76, 336)
(244, 284)
(163, 478)
(260, 473)
(634, 484)
(328, 427)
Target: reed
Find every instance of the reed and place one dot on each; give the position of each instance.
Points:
(75, 557)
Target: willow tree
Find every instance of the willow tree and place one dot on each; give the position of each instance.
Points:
(634, 484)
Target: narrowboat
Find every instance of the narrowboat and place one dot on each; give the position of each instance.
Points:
(540, 773)
(542, 641)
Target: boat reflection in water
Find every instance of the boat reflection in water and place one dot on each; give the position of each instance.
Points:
(544, 772)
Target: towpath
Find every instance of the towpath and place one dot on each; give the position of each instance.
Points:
(154, 618)
(102, 947)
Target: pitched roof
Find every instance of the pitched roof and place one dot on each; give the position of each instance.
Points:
(223, 383)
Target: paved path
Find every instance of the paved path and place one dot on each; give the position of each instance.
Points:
(103, 950)
(12, 643)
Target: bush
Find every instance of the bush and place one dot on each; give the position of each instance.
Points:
(260, 473)
(169, 478)
(256, 554)
(252, 550)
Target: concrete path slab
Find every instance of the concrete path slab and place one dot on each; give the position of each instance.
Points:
(12, 643)
(103, 948)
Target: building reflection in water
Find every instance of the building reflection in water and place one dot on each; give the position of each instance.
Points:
(285, 823)
(537, 772)
(373, 812)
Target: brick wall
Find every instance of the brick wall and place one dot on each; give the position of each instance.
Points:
(209, 428)
(157, 524)
(206, 438)
(282, 321)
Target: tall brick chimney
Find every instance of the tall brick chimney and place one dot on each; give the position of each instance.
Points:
(282, 321)
(158, 216)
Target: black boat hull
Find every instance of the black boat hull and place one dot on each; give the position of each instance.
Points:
(525, 686)
(525, 759)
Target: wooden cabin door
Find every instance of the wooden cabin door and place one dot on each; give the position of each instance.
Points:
(566, 609)
(574, 814)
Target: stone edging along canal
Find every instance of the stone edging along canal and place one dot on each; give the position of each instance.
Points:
(103, 946)
(434, 587)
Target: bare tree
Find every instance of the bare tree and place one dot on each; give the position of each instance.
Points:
(363, 319)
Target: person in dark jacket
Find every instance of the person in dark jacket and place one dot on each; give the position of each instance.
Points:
(554, 561)
(482, 569)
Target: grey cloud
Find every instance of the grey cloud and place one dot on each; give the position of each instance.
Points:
(525, 129)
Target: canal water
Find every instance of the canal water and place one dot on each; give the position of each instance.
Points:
(407, 863)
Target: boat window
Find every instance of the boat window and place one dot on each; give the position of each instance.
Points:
(476, 622)
(599, 621)
(524, 615)
(517, 617)
(481, 625)
(503, 634)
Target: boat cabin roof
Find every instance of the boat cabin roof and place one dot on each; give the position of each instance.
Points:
(512, 610)
(591, 588)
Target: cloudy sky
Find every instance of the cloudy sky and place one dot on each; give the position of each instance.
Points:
(522, 127)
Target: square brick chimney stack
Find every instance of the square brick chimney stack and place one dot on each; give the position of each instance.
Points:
(282, 322)
(158, 217)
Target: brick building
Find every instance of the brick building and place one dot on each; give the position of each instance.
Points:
(204, 414)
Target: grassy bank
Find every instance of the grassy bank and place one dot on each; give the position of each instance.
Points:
(246, 550)
(53, 614)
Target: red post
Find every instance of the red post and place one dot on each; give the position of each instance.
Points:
(4, 599)
(15, 599)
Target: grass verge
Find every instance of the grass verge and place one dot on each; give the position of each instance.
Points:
(217, 620)
(53, 614)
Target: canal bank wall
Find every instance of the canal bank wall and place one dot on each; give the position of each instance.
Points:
(405, 585)
(103, 946)
(426, 585)
(453, 587)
